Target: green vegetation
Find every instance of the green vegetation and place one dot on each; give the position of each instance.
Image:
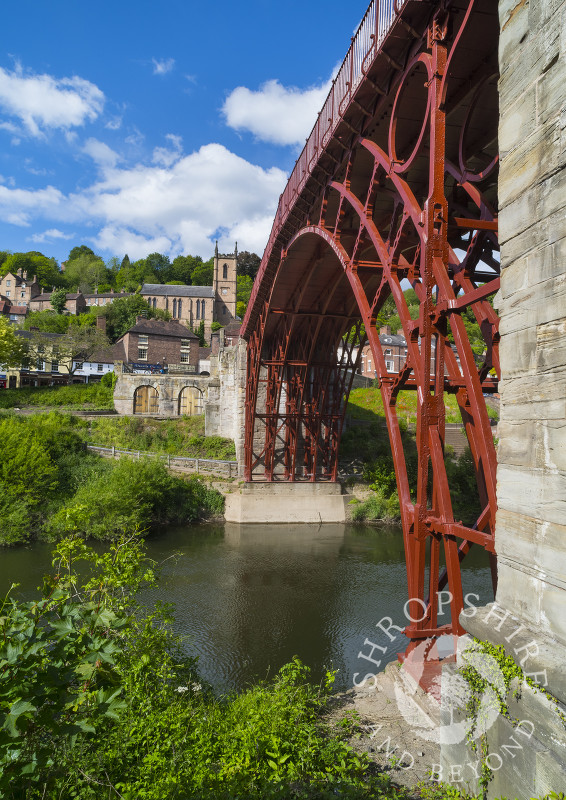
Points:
(76, 396)
(50, 485)
(367, 442)
(98, 701)
(182, 436)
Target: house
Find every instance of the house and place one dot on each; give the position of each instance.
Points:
(75, 302)
(394, 348)
(192, 304)
(17, 314)
(43, 370)
(153, 345)
(103, 298)
(18, 289)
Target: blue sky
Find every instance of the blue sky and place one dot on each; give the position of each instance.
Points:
(136, 127)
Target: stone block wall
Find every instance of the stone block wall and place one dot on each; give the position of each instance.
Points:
(225, 406)
(531, 475)
(529, 616)
(168, 388)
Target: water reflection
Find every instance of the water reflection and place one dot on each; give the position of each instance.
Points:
(249, 597)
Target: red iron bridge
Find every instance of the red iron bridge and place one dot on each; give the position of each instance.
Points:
(396, 187)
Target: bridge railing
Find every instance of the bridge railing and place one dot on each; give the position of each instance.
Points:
(371, 32)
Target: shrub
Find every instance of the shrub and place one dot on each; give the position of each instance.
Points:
(130, 495)
(99, 701)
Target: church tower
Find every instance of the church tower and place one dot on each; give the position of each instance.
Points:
(225, 286)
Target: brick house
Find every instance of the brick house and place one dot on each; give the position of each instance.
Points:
(75, 302)
(394, 349)
(18, 289)
(152, 344)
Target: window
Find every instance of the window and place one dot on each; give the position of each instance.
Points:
(40, 365)
(389, 366)
(224, 310)
(142, 338)
(198, 309)
(142, 353)
(388, 352)
(8, 283)
(7, 294)
(174, 308)
(185, 351)
(202, 309)
(154, 302)
(100, 367)
(79, 365)
(369, 365)
(179, 307)
(22, 294)
(54, 366)
(225, 271)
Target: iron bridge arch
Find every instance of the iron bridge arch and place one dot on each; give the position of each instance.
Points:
(396, 188)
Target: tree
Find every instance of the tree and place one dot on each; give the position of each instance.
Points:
(48, 321)
(248, 264)
(125, 261)
(203, 273)
(200, 333)
(35, 263)
(79, 343)
(121, 314)
(86, 272)
(81, 250)
(58, 300)
(12, 348)
(244, 285)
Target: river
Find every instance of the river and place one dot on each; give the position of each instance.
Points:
(249, 597)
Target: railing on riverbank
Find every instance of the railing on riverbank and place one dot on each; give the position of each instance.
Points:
(191, 464)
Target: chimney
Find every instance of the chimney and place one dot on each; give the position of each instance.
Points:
(385, 330)
(141, 318)
(214, 343)
(111, 291)
(35, 279)
(101, 323)
(19, 272)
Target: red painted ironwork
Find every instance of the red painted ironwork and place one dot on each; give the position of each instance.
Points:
(396, 186)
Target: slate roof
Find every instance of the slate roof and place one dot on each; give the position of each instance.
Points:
(29, 334)
(393, 339)
(18, 310)
(114, 295)
(160, 289)
(162, 327)
(204, 353)
(45, 296)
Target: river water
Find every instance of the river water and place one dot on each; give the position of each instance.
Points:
(249, 597)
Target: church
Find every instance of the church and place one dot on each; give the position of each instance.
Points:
(192, 304)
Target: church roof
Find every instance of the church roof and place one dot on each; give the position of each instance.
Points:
(160, 290)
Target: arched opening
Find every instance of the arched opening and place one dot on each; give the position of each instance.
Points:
(190, 401)
(225, 271)
(145, 400)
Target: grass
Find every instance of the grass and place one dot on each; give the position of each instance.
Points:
(91, 396)
(183, 436)
(366, 405)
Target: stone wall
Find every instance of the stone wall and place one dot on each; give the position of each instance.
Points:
(531, 476)
(225, 405)
(529, 617)
(168, 388)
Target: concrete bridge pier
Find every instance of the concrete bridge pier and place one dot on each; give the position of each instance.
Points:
(529, 616)
(286, 502)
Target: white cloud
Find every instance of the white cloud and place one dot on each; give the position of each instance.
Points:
(100, 153)
(275, 113)
(52, 233)
(162, 67)
(171, 207)
(41, 101)
(167, 156)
